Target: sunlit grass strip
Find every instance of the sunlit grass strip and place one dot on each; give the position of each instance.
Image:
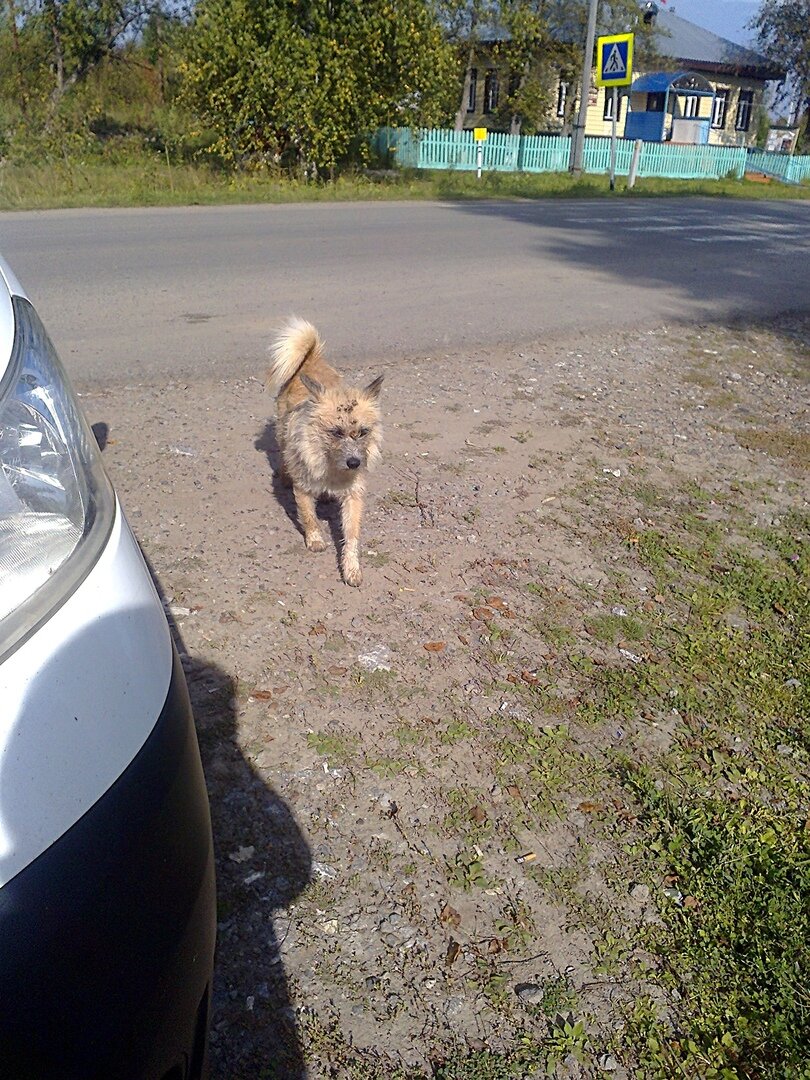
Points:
(154, 181)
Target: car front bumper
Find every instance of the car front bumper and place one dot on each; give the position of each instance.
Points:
(107, 937)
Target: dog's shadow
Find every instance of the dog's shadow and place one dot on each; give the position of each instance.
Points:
(328, 510)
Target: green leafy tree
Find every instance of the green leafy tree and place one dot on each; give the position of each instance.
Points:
(783, 34)
(83, 33)
(302, 84)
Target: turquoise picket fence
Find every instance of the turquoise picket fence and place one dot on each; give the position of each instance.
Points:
(441, 149)
(692, 162)
(792, 170)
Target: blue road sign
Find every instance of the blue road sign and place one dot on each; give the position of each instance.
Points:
(614, 60)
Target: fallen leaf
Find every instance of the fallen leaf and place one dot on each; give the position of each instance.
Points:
(778, 608)
(501, 606)
(478, 815)
(587, 807)
(529, 677)
(453, 949)
(280, 689)
(484, 614)
(691, 902)
(514, 791)
(421, 569)
(512, 679)
(448, 916)
(462, 599)
(262, 695)
(670, 879)
(463, 639)
(497, 945)
(335, 670)
(318, 628)
(434, 646)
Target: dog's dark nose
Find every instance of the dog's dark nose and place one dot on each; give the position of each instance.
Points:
(353, 462)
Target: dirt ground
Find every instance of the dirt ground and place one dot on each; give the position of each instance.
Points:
(392, 814)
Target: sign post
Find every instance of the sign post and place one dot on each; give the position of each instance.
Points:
(480, 136)
(614, 68)
(578, 134)
(615, 93)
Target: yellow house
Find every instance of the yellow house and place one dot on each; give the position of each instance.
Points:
(713, 92)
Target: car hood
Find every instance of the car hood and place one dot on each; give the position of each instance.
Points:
(9, 286)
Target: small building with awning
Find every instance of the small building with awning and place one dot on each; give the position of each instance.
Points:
(672, 106)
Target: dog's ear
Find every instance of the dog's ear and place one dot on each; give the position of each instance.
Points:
(315, 388)
(373, 388)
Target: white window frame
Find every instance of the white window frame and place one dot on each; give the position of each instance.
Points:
(720, 109)
(745, 110)
(690, 107)
(562, 96)
(472, 92)
(492, 91)
(607, 112)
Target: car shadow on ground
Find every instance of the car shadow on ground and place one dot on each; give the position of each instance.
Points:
(328, 510)
(263, 863)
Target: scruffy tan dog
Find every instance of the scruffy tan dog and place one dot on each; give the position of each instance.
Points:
(329, 435)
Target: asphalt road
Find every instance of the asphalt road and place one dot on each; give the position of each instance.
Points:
(132, 295)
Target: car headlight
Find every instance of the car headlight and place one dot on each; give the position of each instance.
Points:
(56, 503)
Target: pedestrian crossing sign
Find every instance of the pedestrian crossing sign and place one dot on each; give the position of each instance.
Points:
(614, 60)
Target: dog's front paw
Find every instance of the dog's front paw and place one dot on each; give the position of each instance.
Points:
(315, 542)
(352, 574)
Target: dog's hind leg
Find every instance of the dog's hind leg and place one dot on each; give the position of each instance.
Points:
(351, 512)
(308, 519)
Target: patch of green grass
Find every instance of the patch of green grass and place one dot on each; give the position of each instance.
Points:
(456, 730)
(791, 446)
(699, 376)
(613, 628)
(559, 995)
(542, 763)
(467, 817)
(651, 496)
(400, 497)
(151, 180)
(339, 749)
(467, 871)
(567, 1037)
(409, 734)
(387, 767)
(489, 1065)
(724, 811)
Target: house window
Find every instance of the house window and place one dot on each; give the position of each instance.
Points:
(562, 97)
(608, 112)
(719, 109)
(491, 91)
(473, 92)
(656, 102)
(744, 106)
(690, 106)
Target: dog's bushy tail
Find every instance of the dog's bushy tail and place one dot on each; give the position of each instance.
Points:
(297, 343)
